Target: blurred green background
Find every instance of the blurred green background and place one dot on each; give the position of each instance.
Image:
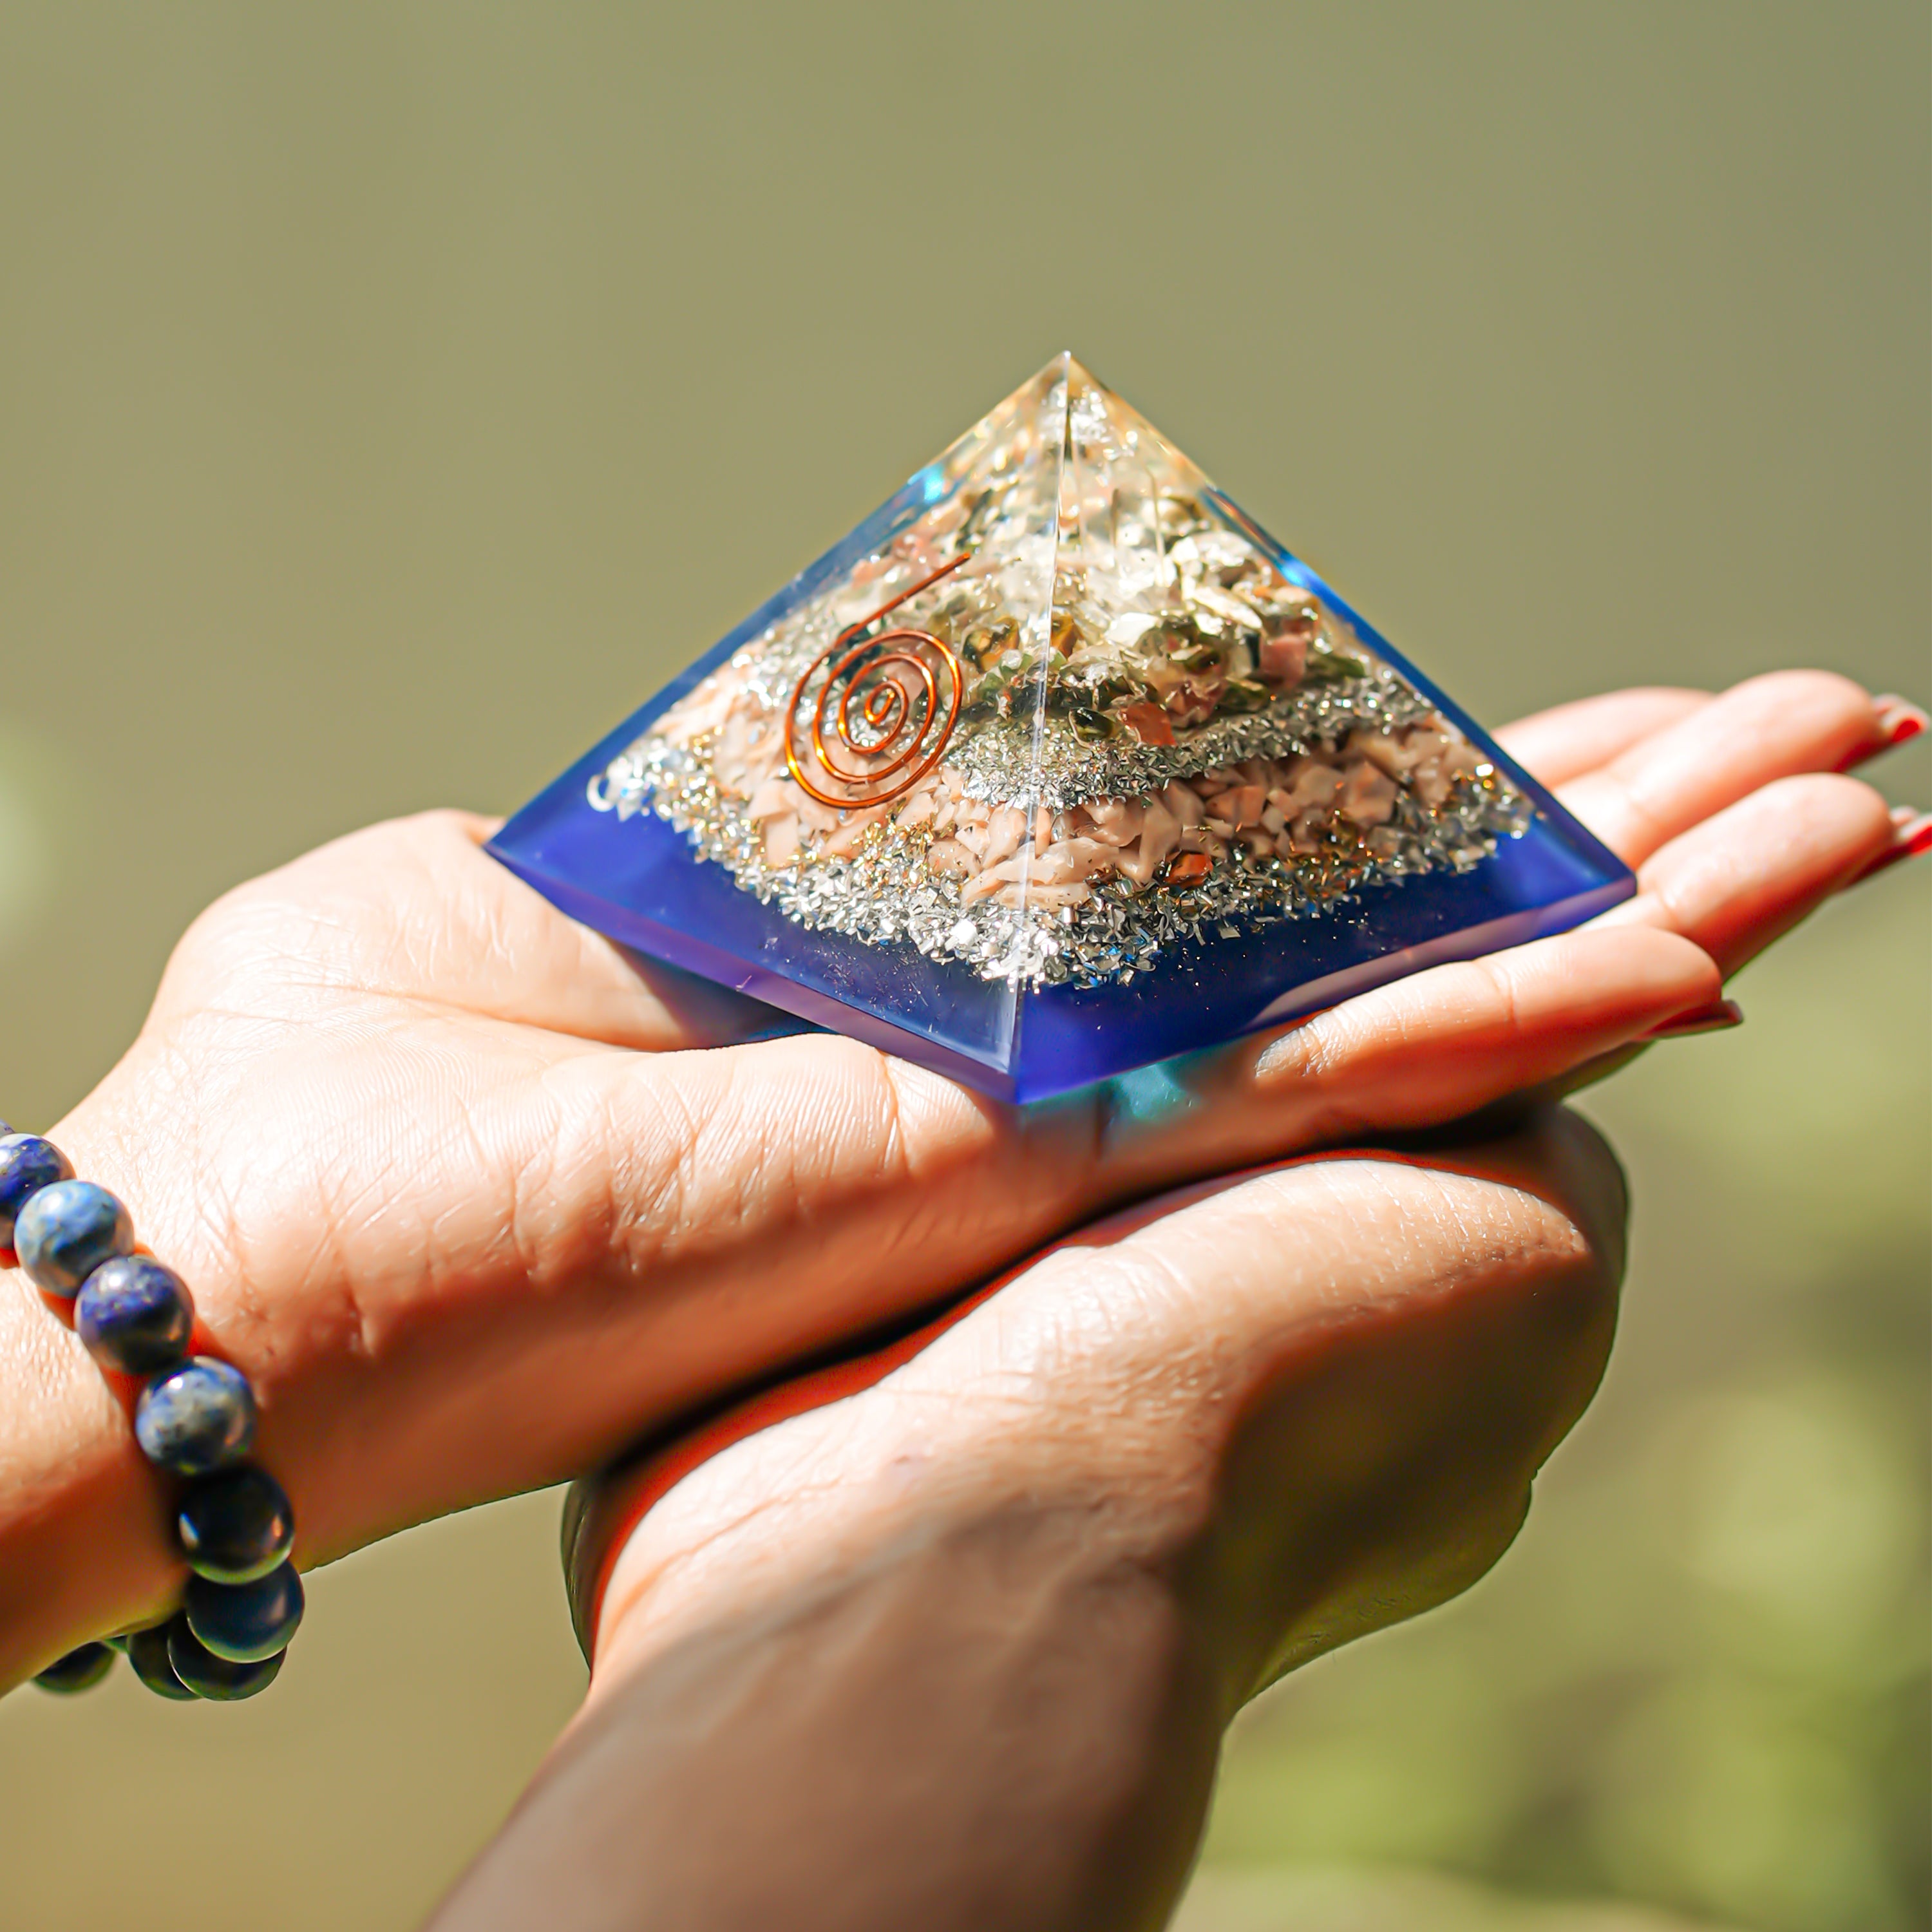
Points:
(392, 396)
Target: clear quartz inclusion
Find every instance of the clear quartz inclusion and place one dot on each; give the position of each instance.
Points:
(1057, 766)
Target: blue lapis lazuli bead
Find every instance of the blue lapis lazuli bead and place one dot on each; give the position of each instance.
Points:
(148, 1653)
(197, 1418)
(78, 1669)
(27, 1164)
(218, 1678)
(65, 1231)
(246, 1622)
(234, 1526)
(135, 1316)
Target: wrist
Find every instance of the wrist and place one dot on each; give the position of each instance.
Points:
(995, 1668)
(84, 1547)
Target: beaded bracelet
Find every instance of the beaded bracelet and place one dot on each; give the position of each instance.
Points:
(195, 1419)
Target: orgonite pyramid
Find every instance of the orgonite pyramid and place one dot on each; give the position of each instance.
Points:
(1057, 765)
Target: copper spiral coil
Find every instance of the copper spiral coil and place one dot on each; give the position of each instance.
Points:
(885, 709)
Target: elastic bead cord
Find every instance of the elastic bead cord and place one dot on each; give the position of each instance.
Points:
(194, 1419)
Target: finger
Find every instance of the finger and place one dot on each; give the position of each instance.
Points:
(1321, 1392)
(1767, 728)
(1426, 1050)
(1735, 883)
(1911, 839)
(1568, 740)
(1562, 743)
(1896, 721)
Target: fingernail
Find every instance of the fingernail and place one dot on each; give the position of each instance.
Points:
(1715, 1017)
(1898, 717)
(1899, 721)
(1911, 835)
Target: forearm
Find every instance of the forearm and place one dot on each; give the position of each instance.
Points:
(1007, 1720)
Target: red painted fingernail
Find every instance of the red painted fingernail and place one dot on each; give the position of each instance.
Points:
(1911, 837)
(1899, 721)
(1898, 717)
(1716, 1018)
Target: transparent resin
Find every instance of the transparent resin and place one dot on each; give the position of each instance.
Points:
(1057, 766)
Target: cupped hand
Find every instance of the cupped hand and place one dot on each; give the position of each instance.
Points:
(1003, 1584)
(474, 1197)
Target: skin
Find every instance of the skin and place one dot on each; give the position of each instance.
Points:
(475, 1199)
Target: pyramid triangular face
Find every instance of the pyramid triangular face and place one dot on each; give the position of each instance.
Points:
(1057, 766)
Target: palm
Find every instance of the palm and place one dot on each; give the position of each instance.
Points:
(449, 1183)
